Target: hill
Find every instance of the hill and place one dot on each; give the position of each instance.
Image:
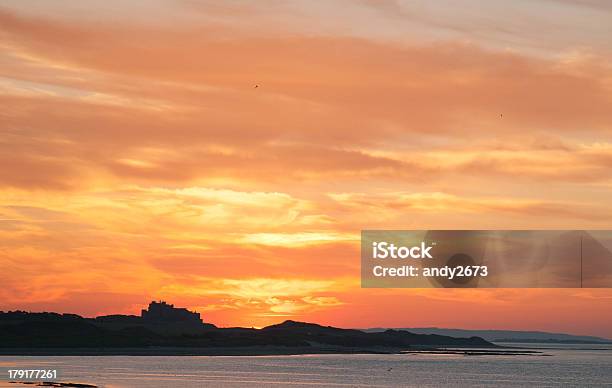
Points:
(506, 335)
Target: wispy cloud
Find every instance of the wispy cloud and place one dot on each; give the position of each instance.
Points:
(139, 159)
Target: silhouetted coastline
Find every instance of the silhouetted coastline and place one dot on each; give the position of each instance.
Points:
(163, 329)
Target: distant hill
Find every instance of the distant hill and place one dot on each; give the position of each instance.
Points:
(506, 335)
(314, 333)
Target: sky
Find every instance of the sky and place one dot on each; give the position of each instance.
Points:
(140, 161)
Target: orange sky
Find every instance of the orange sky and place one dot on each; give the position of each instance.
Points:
(139, 161)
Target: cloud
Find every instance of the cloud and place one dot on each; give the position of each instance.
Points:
(140, 161)
(329, 107)
(393, 207)
(336, 117)
(262, 297)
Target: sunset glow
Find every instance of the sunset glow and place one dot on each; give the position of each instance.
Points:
(139, 161)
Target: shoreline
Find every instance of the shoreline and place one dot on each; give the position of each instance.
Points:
(255, 351)
(194, 351)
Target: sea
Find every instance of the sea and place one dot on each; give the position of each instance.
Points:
(558, 365)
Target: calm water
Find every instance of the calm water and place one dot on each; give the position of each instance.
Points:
(567, 366)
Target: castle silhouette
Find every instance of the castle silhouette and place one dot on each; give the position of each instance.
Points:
(159, 317)
(165, 312)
